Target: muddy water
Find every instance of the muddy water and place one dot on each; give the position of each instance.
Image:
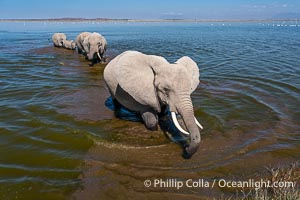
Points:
(58, 139)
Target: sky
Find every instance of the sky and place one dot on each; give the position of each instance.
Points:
(150, 9)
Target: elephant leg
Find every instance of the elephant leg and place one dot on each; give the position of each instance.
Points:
(78, 50)
(150, 120)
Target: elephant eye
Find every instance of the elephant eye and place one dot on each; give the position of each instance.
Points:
(166, 91)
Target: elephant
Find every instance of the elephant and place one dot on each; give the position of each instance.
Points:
(69, 44)
(94, 46)
(58, 39)
(79, 42)
(148, 84)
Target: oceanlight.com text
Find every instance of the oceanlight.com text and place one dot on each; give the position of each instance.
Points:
(221, 183)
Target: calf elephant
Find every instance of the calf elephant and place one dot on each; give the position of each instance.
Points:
(148, 83)
(58, 39)
(69, 44)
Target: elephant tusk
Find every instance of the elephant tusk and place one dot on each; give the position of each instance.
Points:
(198, 124)
(99, 55)
(173, 114)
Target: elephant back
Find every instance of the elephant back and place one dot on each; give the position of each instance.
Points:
(131, 73)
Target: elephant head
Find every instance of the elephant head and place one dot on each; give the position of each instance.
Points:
(95, 46)
(59, 39)
(150, 82)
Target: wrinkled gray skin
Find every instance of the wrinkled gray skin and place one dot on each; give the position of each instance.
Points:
(146, 83)
(58, 39)
(79, 42)
(69, 44)
(95, 46)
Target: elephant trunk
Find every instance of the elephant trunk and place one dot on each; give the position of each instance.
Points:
(62, 42)
(92, 55)
(186, 110)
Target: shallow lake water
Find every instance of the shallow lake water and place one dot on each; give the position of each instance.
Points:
(59, 141)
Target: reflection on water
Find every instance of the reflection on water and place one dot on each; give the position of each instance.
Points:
(57, 136)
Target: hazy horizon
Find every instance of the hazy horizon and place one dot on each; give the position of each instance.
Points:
(155, 9)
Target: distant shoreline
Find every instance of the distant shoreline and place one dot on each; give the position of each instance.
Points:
(139, 20)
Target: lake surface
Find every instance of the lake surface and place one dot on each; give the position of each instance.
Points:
(58, 140)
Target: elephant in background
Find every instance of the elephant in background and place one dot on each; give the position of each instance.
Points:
(58, 39)
(92, 46)
(149, 84)
(69, 44)
(79, 42)
(95, 46)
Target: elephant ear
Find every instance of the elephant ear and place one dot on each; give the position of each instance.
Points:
(136, 77)
(102, 46)
(63, 36)
(85, 44)
(192, 69)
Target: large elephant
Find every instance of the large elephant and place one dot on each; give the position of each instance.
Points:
(58, 39)
(79, 42)
(95, 46)
(148, 83)
(69, 44)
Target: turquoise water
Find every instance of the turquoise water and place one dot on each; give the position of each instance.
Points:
(54, 127)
